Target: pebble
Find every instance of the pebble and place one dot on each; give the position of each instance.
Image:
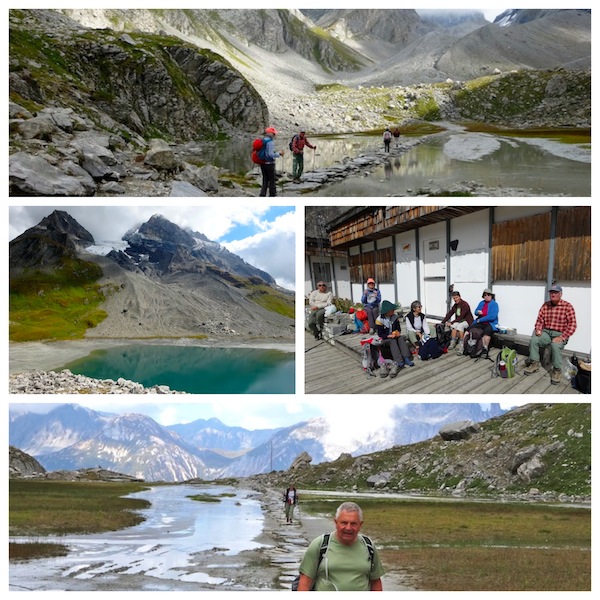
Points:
(65, 382)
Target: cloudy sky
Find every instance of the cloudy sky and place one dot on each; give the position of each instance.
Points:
(263, 236)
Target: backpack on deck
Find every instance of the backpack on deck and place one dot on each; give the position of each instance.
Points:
(430, 349)
(582, 380)
(474, 345)
(323, 549)
(443, 336)
(361, 320)
(258, 151)
(292, 142)
(506, 363)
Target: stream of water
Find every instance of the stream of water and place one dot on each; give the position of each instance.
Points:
(157, 554)
(536, 165)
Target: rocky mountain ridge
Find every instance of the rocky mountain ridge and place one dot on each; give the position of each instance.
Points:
(167, 281)
(140, 77)
(136, 445)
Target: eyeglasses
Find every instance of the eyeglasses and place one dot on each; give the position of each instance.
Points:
(321, 285)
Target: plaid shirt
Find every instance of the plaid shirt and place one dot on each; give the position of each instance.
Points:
(558, 318)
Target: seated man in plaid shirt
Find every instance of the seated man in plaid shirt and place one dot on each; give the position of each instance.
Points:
(554, 326)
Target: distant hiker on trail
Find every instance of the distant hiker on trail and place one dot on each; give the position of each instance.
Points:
(387, 138)
(396, 134)
(290, 499)
(268, 167)
(297, 147)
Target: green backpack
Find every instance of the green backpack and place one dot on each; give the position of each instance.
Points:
(509, 357)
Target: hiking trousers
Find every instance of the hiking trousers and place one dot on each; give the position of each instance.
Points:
(372, 314)
(268, 179)
(398, 347)
(316, 320)
(541, 341)
(298, 165)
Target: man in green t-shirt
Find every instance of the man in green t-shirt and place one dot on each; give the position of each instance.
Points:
(350, 561)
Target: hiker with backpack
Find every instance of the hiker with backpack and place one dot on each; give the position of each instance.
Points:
(290, 500)
(555, 324)
(396, 134)
(460, 317)
(297, 147)
(388, 329)
(265, 156)
(417, 327)
(343, 560)
(387, 138)
(486, 321)
(371, 299)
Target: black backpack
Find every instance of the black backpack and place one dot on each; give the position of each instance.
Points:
(323, 549)
(582, 381)
(473, 347)
(430, 349)
(443, 335)
(292, 141)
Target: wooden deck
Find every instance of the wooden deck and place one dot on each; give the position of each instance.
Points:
(334, 367)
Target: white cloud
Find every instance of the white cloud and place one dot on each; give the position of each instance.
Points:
(272, 250)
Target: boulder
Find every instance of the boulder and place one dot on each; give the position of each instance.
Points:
(302, 460)
(462, 430)
(33, 176)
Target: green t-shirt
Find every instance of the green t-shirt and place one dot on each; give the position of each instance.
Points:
(343, 568)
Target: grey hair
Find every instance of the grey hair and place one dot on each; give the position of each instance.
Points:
(349, 507)
(415, 304)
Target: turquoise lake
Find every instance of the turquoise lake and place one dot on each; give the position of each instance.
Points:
(194, 370)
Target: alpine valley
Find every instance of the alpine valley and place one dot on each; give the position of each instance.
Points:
(115, 102)
(159, 284)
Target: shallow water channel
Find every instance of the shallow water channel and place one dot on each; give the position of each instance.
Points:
(157, 554)
(537, 165)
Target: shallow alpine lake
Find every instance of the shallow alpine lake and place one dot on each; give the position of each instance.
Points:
(192, 369)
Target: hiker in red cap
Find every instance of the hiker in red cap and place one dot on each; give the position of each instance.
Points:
(268, 167)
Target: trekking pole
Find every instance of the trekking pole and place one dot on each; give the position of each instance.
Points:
(314, 155)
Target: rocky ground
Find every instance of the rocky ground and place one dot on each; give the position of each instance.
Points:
(276, 564)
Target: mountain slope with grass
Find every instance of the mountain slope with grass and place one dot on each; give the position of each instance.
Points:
(538, 450)
(167, 282)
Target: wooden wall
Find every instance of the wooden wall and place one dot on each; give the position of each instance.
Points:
(521, 248)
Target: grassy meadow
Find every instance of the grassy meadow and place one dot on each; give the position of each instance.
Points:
(430, 545)
(39, 508)
(477, 546)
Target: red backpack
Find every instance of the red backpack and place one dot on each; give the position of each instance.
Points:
(258, 151)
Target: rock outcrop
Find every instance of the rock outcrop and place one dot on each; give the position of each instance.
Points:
(21, 464)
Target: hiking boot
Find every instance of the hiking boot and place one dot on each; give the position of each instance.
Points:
(460, 349)
(408, 362)
(453, 343)
(533, 367)
(383, 371)
(394, 371)
(555, 375)
(318, 336)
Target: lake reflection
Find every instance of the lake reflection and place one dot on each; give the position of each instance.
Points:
(193, 369)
